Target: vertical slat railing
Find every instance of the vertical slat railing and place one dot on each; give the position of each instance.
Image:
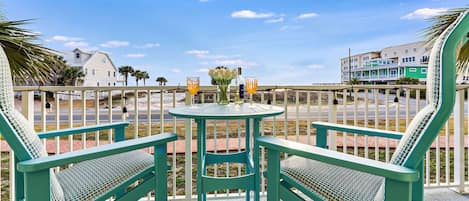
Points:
(439, 171)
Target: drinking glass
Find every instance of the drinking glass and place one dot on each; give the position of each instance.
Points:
(193, 85)
(251, 87)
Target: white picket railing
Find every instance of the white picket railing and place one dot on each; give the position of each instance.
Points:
(374, 106)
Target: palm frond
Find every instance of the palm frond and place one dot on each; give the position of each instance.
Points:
(440, 24)
(29, 61)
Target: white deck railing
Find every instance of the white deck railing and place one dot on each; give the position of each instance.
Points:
(368, 105)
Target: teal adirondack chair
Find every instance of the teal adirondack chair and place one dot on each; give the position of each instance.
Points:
(323, 174)
(97, 174)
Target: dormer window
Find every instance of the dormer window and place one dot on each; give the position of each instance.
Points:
(77, 55)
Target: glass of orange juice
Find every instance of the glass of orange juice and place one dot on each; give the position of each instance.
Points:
(193, 85)
(251, 86)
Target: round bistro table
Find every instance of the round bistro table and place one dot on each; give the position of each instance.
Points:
(211, 111)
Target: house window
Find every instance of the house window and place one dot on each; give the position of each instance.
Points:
(413, 58)
(424, 71)
(412, 70)
(403, 60)
(406, 51)
(93, 72)
(108, 84)
(86, 71)
(97, 84)
(109, 73)
(114, 74)
(77, 55)
(114, 84)
(395, 53)
(415, 49)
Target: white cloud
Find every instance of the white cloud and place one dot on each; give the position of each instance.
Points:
(114, 44)
(234, 62)
(424, 13)
(249, 14)
(275, 20)
(76, 44)
(149, 45)
(203, 70)
(315, 66)
(61, 38)
(176, 70)
(306, 16)
(135, 55)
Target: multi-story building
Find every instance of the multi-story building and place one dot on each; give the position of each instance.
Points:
(97, 66)
(388, 65)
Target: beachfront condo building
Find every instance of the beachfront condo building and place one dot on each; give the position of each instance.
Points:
(387, 65)
(97, 66)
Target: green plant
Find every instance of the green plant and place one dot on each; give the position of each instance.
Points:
(161, 80)
(29, 61)
(125, 71)
(441, 23)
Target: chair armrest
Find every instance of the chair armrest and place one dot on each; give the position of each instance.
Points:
(378, 168)
(357, 130)
(42, 163)
(85, 129)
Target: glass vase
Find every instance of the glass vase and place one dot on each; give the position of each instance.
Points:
(223, 94)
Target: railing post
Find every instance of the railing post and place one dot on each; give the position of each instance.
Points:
(188, 153)
(332, 141)
(459, 141)
(27, 105)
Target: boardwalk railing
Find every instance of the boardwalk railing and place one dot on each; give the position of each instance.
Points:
(389, 107)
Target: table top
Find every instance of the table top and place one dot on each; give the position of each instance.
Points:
(230, 111)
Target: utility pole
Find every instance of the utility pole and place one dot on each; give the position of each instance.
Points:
(349, 67)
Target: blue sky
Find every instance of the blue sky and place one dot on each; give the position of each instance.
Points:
(280, 42)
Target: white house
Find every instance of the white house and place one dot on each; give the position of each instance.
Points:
(97, 66)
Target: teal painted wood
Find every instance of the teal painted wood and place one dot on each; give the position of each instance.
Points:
(37, 185)
(203, 112)
(161, 179)
(217, 183)
(417, 187)
(148, 174)
(287, 194)
(139, 192)
(378, 168)
(257, 175)
(273, 175)
(224, 112)
(321, 137)
(239, 157)
(397, 190)
(95, 152)
(10, 135)
(248, 154)
(289, 183)
(321, 127)
(19, 181)
(85, 129)
(201, 196)
(447, 89)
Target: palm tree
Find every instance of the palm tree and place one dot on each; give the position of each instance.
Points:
(440, 24)
(70, 76)
(29, 61)
(139, 75)
(125, 71)
(145, 77)
(354, 81)
(161, 80)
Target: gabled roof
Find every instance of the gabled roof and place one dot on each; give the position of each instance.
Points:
(71, 61)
